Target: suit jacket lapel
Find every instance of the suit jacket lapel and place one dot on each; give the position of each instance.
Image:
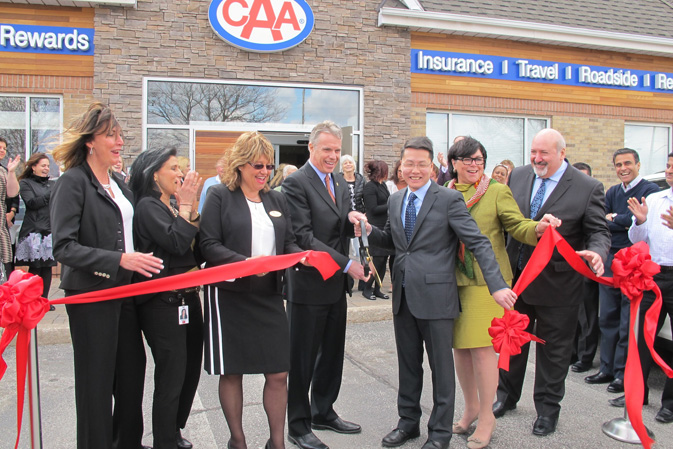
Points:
(320, 187)
(428, 201)
(395, 217)
(529, 182)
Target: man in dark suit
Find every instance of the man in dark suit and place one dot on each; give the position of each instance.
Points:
(551, 186)
(425, 223)
(319, 203)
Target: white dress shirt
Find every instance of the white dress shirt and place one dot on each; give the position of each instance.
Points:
(653, 232)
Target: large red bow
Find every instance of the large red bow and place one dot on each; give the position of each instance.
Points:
(632, 270)
(21, 308)
(509, 335)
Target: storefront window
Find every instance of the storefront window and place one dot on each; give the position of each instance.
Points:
(30, 124)
(503, 137)
(173, 105)
(169, 138)
(653, 144)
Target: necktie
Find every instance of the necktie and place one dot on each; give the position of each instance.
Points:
(536, 204)
(329, 188)
(410, 216)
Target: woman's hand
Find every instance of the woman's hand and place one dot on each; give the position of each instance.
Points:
(143, 263)
(186, 193)
(12, 164)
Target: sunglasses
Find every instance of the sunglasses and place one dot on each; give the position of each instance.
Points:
(269, 167)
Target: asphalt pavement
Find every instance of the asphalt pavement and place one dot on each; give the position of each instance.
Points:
(368, 397)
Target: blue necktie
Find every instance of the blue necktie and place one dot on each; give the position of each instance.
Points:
(410, 216)
(536, 204)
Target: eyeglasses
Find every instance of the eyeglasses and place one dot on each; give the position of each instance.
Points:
(420, 165)
(269, 167)
(471, 160)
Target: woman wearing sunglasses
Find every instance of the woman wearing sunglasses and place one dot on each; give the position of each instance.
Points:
(246, 329)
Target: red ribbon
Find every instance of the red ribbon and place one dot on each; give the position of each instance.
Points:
(21, 306)
(509, 335)
(632, 270)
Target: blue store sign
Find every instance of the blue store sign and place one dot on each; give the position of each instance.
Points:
(531, 70)
(46, 39)
(261, 25)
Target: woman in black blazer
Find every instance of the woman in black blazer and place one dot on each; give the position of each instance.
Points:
(91, 216)
(171, 321)
(34, 244)
(246, 327)
(376, 204)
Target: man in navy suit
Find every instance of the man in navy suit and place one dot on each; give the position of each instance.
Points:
(319, 203)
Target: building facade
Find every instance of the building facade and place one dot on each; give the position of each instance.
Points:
(384, 71)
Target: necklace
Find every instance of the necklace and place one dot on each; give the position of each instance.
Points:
(174, 211)
(106, 186)
(253, 201)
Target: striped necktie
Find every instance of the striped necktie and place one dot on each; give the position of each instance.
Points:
(329, 188)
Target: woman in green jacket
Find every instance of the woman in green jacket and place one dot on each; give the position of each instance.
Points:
(493, 207)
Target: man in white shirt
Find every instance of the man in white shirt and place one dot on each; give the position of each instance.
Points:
(650, 225)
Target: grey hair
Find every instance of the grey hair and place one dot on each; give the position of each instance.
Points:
(287, 168)
(347, 157)
(328, 127)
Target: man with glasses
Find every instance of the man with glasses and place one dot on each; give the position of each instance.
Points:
(319, 203)
(549, 185)
(425, 224)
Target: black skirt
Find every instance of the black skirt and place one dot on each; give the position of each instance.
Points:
(245, 332)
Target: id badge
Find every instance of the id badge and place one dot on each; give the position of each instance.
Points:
(183, 315)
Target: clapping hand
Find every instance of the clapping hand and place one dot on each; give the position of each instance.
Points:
(639, 210)
(668, 217)
(186, 193)
(12, 164)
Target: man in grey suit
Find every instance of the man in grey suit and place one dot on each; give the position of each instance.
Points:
(425, 223)
(319, 202)
(549, 185)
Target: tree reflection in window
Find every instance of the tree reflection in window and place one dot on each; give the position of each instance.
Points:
(179, 103)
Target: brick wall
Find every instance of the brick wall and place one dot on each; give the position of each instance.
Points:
(174, 39)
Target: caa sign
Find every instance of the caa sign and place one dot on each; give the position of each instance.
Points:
(261, 25)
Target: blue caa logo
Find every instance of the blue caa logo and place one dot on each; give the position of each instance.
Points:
(261, 25)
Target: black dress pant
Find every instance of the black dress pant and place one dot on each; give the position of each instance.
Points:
(411, 334)
(177, 351)
(665, 282)
(109, 358)
(556, 326)
(588, 332)
(317, 339)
